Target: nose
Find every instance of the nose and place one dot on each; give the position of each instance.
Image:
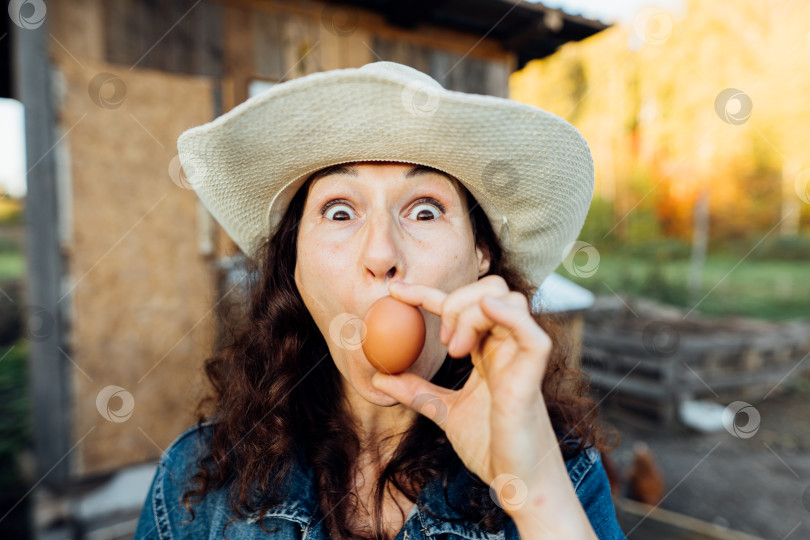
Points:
(381, 253)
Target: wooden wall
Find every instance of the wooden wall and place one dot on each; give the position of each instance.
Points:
(141, 285)
(140, 292)
(275, 40)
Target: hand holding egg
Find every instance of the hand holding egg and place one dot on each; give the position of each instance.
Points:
(497, 422)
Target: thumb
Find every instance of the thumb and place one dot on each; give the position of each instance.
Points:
(415, 392)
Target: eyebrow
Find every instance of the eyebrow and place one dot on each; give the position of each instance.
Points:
(352, 171)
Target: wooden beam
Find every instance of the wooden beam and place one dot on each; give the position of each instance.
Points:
(431, 36)
(654, 522)
(49, 368)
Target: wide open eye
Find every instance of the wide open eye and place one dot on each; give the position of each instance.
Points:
(423, 210)
(340, 210)
(332, 209)
(427, 204)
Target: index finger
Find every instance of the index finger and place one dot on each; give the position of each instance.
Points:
(418, 295)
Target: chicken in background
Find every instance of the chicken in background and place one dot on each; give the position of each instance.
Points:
(645, 481)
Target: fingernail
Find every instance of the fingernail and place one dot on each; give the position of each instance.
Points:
(376, 380)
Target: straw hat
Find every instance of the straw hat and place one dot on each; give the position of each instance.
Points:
(530, 170)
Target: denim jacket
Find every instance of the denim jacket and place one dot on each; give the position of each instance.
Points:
(299, 518)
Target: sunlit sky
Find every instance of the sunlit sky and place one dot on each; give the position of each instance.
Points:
(12, 149)
(610, 11)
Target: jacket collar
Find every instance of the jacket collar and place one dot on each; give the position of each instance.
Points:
(432, 498)
(301, 506)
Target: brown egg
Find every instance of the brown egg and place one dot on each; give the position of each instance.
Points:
(395, 334)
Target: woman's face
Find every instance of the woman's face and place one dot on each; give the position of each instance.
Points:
(370, 224)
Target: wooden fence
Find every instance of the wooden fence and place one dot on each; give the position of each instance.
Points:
(651, 358)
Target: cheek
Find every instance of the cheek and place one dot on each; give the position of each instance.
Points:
(316, 275)
(447, 236)
(324, 258)
(327, 280)
(455, 251)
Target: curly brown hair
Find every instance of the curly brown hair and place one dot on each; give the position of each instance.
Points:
(276, 396)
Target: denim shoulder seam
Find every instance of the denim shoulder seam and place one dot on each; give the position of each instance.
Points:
(584, 463)
(159, 507)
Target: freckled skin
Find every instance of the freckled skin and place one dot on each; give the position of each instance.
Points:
(346, 258)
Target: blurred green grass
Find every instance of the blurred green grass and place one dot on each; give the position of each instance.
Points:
(12, 256)
(14, 410)
(12, 264)
(769, 289)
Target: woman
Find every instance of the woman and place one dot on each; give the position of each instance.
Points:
(488, 432)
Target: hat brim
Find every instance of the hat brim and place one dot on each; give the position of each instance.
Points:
(530, 170)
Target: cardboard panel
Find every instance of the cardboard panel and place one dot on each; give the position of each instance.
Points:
(141, 294)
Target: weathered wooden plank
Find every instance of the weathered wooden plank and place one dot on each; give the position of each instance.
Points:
(648, 521)
(355, 49)
(79, 27)
(337, 24)
(444, 67)
(268, 35)
(208, 51)
(497, 78)
(180, 37)
(238, 55)
(369, 23)
(419, 57)
(767, 377)
(636, 367)
(474, 75)
(154, 44)
(660, 411)
(382, 47)
(686, 346)
(627, 385)
(175, 48)
(402, 51)
(300, 46)
(122, 39)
